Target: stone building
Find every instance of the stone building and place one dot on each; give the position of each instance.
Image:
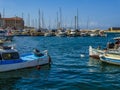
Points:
(14, 22)
(114, 29)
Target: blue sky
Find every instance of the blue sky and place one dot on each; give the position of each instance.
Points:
(98, 13)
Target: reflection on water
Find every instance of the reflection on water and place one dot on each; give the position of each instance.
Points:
(7, 83)
(68, 71)
(93, 62)
(26, 73)
(10, 80)
(102, 66)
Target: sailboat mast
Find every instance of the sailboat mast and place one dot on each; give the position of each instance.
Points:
(57, 21)
(88, 23)
(39, 19)
(15, 21)
(3, 12)
(22, 15)
(77, 19)
(28, 20)
(42, 20)
(3, 23)
(75, 22)
(60, 17)
(49, 24)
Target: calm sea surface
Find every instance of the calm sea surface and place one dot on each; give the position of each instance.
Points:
(68, 70)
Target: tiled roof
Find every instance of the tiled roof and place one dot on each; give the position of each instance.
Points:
(13, 18)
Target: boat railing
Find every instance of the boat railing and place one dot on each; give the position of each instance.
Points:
(45, 52)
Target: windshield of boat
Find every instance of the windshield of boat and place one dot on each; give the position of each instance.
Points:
(10, 56)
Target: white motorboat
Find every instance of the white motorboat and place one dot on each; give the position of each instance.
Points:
(10, 59)
(72, 33)
(61, 33)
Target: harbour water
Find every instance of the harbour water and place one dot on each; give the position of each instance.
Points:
(68, 70)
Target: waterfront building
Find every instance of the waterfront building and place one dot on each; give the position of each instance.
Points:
(14, 22)
(113, 30)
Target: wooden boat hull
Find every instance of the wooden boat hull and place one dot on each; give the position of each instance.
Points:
(94, 53)
(110, 58)
(27, 61)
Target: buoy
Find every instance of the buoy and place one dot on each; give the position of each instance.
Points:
(38, 67)
(82, 55)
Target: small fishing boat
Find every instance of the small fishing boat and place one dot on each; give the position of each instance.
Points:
(95, 52)
(111, 58)
(6, 35)
(112, 47)
(10, 59)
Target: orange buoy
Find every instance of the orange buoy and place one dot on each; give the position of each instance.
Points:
(38, 67)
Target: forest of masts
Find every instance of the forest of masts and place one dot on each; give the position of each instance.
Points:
(59, 23)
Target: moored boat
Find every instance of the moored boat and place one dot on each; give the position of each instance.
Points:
(6, 35)
(113, 47)
(110, 58)
(72, 33)
(95, 52)
(10, 59)
(61, 33)
(48, 34)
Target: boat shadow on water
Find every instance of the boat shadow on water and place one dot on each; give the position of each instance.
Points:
(34, 72)
(9, 80)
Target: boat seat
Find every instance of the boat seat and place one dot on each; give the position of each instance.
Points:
(37, 53)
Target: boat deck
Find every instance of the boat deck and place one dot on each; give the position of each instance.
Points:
(30, 57)
(23, 58)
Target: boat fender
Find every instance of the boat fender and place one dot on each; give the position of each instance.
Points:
(38, 67)
(49, 58)
(82, 55)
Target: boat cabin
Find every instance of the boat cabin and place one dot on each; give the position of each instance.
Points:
(9, 54)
